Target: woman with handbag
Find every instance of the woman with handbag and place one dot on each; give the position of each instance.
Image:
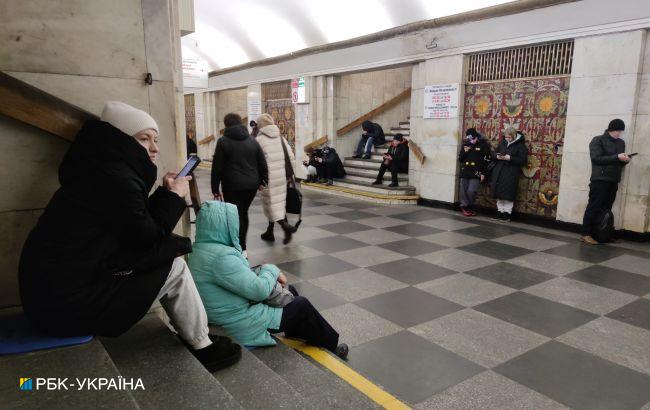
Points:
(279, 159)
(250, 303)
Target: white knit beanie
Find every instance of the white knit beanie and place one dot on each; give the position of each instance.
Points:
(127, 119)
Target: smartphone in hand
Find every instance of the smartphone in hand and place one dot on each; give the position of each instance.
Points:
(192, 163)
(632, 154)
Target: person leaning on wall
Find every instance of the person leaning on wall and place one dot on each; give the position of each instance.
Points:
(511, 154)
(103, 251)
(608, 158)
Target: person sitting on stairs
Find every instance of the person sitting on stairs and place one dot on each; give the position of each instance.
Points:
(103, 250)
(396, 160)
(240, 298)
(372, 136)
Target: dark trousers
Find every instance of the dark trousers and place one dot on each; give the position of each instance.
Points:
(365, 145)
(394, 167)
(321, 169)
(602, 195)
(243, 200)
(301, 320)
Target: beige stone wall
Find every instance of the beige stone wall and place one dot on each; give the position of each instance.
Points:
(437, 138)
(215, 105)
(356, 94)
(608, 80)
(85, 53)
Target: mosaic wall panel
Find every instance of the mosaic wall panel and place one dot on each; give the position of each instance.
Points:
(284, 115)
(538, 108)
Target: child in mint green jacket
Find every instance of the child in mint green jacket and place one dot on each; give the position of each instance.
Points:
(234, 294)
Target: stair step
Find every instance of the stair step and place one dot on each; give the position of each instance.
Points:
(322, 389)
(389, 135)
(368, 171)
(404, 123)
(254, 385)
(172, 377)
(400, 129)
(86, 361)
(368, 187)
(353, 176)
(361, 194)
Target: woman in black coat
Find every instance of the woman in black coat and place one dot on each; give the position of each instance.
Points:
(103, 251)
(511, 155)
(239, 168)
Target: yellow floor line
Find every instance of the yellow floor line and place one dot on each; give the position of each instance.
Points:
(340, 369)
(362, 193)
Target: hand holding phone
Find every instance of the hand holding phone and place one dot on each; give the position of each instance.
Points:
(632, 154)
(191, 164)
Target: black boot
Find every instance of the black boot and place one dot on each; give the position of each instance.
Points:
(377, 182)
(268, 235)
(222, 353)
(288, 230)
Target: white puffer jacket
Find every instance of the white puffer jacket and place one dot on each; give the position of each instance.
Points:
(274, 196)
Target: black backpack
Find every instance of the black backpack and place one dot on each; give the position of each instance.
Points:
(604, 228)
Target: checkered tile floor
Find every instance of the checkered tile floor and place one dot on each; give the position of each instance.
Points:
(450, 312)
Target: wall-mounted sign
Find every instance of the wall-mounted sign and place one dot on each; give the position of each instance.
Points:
(441, 101)
(195, 73)
(298, 90)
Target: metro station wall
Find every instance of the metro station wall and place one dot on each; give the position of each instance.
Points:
(358, 93)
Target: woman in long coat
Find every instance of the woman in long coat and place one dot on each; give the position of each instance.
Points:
(511, 155)
(103, 250)
(274, 196)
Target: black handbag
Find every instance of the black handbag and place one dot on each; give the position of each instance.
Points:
(294, 196)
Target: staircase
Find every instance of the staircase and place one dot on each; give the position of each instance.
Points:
(265, 378)
(361, 173)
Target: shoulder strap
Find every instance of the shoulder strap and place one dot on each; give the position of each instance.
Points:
(288, 167)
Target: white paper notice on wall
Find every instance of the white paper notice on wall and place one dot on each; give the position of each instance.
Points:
(441, 101)
(195, 73)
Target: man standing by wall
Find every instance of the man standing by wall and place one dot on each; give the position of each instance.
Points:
(608, 158)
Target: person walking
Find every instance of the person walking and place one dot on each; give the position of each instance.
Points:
(474, 158)
(511, 155)
(608, 158)
(279, 159)
(396, 159)
(239, 169)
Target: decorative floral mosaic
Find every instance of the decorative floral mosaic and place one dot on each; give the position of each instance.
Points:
(538, 108)
(284, 115)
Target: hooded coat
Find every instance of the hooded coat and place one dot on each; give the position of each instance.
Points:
(473, 163)
(239, 163)
(504, 179)
(274, 196)
(103, 248)
(333, 162)
(231, 292)
(375, 131)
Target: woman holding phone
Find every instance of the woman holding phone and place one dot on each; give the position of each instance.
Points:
(103, 251)
(511, 155)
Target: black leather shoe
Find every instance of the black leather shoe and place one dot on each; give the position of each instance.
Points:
(342, 351)
(366, 157)
(377, 182)
(393, 185)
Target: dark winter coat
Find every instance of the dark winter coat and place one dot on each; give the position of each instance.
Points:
(474, 162)
(504, 179)
(103, 248)
(400, 155)
(375, 131)
(238, 163)
(191, 146)
(333, 163)
(605, 165)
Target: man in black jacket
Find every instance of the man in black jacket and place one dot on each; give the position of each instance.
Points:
(239, 166)
(608, 158)
(372, 135)
(396, 160)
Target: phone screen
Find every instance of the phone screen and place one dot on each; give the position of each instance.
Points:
(189, 167)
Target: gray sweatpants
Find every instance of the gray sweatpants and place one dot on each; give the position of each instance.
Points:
(468, 189)
(183, 305)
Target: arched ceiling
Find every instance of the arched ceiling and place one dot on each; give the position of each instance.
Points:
(230, 33)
